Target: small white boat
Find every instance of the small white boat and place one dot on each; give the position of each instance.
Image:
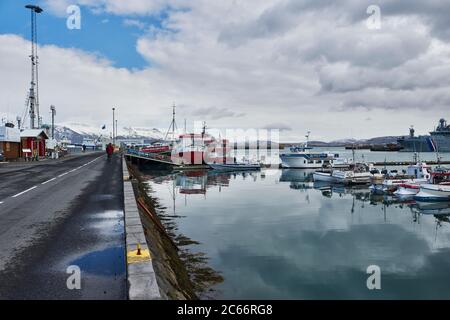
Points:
(323, 176)
(433, 192)
(392, 185)
(407, 190)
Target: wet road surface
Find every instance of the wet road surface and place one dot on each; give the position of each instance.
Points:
(61, 214)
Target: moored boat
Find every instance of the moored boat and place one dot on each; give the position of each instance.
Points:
(302, 157)
(415, 174)
(407, 190)
(358, 173)
(433, 192)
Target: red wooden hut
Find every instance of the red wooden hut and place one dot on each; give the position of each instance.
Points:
(33, 142)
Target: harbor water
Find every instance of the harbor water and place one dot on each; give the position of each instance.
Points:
(275, 234)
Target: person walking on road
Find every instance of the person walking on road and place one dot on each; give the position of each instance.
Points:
(109, 150)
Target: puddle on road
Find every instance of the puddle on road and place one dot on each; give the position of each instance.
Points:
(107, 262)
(108, 214)
(110, 261)
(108, 222)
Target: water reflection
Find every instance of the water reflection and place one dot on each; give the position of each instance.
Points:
(277, 234)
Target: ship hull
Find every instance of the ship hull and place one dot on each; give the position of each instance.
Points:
(422, 143)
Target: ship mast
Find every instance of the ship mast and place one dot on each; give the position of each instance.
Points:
(33, 95)
(173, 125)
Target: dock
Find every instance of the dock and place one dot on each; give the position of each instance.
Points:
(407, 163)
(153, 157)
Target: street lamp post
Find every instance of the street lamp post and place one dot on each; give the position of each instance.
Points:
(113, 131)
(53, 110)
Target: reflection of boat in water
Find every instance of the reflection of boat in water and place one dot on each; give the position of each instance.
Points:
(299, 178)
(324, 176)
(296, 175)
(434, 208)
(328, 189)
(198, 181)
(238, 166)
(192, 182)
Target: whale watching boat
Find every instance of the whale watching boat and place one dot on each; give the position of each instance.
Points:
(302, 157)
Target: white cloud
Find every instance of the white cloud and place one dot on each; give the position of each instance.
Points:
(134, 23)
(307, 65)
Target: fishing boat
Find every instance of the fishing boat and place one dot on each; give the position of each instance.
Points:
(357, 173)
(438, 189)
(189, 149)
(218, 157)
(415, 174)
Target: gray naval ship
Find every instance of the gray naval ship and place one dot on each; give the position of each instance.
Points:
(437, 141)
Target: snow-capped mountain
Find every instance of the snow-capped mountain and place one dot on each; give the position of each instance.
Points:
(76, 132)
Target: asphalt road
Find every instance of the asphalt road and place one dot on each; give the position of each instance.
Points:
(56, 214)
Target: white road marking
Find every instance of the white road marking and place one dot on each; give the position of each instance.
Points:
(21, 193)
(53, 179)
(1, 202)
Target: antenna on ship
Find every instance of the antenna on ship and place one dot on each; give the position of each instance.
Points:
(33, 95)
(173, 125)
(307, 138)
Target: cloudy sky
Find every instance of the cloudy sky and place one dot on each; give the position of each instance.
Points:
(317, 65)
